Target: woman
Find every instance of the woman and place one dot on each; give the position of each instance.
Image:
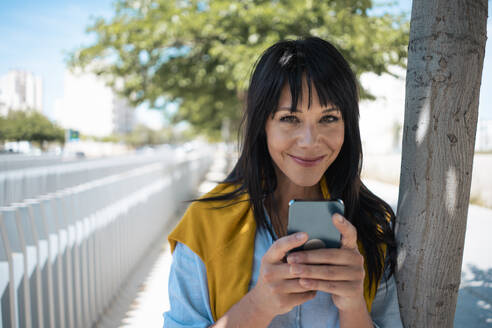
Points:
(230, 264)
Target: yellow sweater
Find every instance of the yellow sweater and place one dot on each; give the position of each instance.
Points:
(224, 240)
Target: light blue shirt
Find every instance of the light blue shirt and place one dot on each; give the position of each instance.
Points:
(189, 299)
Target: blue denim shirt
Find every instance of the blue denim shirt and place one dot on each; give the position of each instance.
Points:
(189, 300)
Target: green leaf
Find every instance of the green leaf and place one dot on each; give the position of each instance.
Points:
(200, 53)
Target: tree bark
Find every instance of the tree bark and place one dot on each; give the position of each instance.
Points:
(445, 60)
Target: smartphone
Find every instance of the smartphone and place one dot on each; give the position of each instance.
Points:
(314, 217)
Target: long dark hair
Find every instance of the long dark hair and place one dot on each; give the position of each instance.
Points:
(323, 66)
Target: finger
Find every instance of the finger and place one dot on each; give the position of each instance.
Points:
(299, 298)
(340, 288)
(334, 256)
(279, 248)
(288, 286)
(328, 272)
(348, 231)
(275, 272)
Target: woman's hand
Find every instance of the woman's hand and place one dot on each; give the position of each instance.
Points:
(339, 272)
(278, 289)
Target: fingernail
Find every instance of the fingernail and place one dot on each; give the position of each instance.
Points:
(340, 218)
(300, 235)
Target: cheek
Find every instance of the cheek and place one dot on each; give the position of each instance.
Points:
(274, 145)
(335, 137)
(338, 141)
(278, 142)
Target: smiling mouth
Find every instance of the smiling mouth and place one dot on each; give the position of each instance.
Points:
(304, 161)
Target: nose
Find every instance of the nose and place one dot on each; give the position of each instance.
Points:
(308, 135)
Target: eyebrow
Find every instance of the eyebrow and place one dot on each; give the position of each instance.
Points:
(326, 110)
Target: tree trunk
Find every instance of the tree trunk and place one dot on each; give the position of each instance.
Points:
(445, 60)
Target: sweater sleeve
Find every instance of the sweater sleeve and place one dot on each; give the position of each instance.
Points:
(188, 291)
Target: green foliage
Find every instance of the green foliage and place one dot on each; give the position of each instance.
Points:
(142, 135)
(29, 125)
(200, 53)
(3, 127)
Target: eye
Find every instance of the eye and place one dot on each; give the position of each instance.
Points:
(329, 119)
(289, 119)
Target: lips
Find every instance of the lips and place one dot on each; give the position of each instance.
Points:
(307, 161)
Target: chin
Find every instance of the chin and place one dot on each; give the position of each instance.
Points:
(305, 181)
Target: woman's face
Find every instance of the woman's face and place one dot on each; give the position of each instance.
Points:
(303, 144)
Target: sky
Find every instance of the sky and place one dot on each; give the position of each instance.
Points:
(37, 35)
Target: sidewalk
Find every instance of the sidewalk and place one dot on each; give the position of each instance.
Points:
(145, 299)
(474, 308)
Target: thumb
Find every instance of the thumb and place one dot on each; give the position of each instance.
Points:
(347, 230)
(281, 246)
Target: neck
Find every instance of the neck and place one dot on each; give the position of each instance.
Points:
(286, 191)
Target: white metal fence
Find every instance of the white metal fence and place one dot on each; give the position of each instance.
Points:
(27, 182)
(64, 254)
(19, 161)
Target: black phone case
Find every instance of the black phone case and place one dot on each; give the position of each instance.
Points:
(314, 217)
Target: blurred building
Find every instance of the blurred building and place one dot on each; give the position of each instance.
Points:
(123, 116)
(20, 90)
(381, 120)
(91, 107)
(483, 141)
